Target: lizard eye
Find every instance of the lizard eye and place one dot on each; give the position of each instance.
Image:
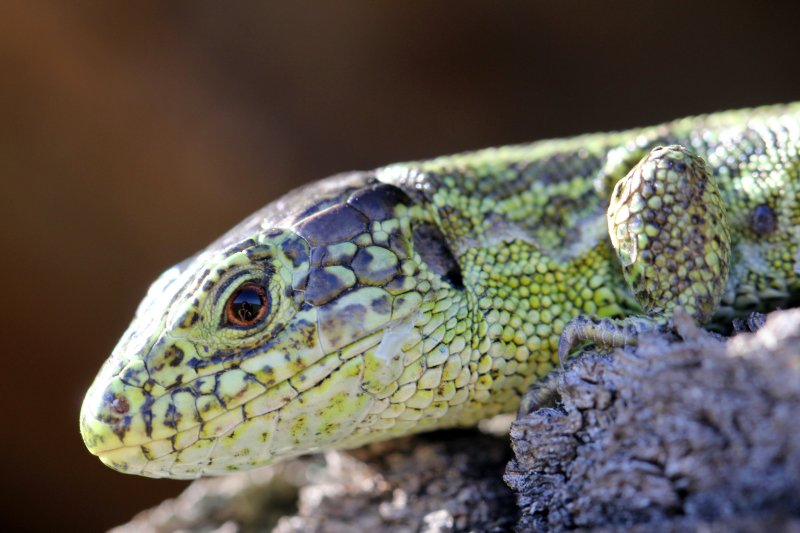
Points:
(246, 306)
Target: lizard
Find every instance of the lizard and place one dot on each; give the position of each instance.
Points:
(433, 294)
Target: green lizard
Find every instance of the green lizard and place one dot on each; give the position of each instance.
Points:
(432, 294)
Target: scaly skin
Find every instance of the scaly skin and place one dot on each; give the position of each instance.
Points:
(432, 294)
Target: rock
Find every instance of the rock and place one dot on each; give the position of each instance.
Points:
(450, 483)
(247, 501)
(672, 435)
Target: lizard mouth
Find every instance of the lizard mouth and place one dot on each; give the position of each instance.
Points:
(103, 438)
(106, 438)
(261, 409)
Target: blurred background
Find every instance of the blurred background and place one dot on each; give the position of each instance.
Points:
(132, 134)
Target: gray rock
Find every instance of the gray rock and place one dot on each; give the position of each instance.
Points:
(698, 434)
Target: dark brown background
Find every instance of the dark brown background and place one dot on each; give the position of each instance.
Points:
(131, 137)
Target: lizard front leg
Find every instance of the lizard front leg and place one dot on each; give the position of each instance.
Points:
(667, 224)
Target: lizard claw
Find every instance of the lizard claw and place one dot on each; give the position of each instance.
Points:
(605, 332)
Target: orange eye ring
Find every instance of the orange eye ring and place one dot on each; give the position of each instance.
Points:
(246, 306)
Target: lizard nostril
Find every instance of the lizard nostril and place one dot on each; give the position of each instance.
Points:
(119, 405)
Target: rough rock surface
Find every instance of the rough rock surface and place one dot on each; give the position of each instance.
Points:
(250, 501)
(411, 485)
(698, 434)
(674, 435)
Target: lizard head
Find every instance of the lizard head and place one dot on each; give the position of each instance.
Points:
(283, 337)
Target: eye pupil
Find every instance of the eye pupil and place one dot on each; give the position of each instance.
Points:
(247, 305)
(244, 311)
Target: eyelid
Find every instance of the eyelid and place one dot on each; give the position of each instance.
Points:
(223, 287)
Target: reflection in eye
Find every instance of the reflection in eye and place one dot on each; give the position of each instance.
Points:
(246, 306)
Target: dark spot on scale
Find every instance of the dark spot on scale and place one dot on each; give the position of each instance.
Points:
(148, 385)
(323, 286)
(190, 319)
(339, 223)
(130, 376)
(362, 258)
(368, 272)
(378, 202)
(308, 332)
(246, 244)
(764, 220)
(398, 244)
(147, 416)
(171, 417)
(431, 245)
(382, 305)
(147, 452)
(120, 428)
(174, 356)
(318, 256)
(678, 166)
(296, 250)
(397, 284)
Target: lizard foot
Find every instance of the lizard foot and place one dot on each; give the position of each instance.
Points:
(668, 226)
(606, 332)
(751, 324)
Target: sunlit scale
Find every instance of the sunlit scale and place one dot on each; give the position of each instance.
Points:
(433, 294)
